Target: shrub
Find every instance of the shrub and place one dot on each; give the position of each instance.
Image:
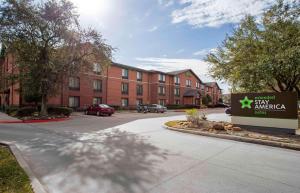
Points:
(26, 111)
(193, 116)
(60, 111)
(11, 110)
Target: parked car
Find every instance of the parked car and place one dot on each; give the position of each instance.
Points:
(100, 109)
(228, 111)
(155, 108)
(142, 108)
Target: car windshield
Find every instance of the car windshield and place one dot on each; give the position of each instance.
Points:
(103, 106)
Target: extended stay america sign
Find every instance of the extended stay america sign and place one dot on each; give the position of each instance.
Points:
(266, 105)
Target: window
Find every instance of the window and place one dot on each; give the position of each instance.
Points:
(125, 73)
(124, 102)
(177, 102)
(162, 78)
(139, 101)
(162, 102)
(97, 100)
(97, 68)
(197, 84)
(188, 83)
(97, 85)
(139, 76)
(207, 89)
(176, 80)
(161, 90)
(74, 101)
(202, 87)
(124, 88)
(177, 91)
(139, 90)
(74, 83)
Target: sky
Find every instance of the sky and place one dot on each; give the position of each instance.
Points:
(167, 35)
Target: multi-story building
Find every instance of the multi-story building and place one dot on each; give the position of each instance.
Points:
(116, 85)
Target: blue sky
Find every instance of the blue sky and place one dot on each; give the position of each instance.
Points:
(167, 34)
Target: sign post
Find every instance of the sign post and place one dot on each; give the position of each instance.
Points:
(259, 111)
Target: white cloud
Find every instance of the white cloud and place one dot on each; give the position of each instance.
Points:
(214, 13)
(204, 52)
(152, 29)
(200, 67)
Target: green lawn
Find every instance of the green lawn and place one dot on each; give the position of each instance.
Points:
(13, 179)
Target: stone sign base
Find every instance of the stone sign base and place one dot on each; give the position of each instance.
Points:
(266, 124)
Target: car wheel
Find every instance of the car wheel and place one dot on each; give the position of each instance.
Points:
(86, 112)
(98, 113)
(109, 114)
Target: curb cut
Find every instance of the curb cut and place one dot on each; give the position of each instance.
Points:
(237, 138)
(35, 183)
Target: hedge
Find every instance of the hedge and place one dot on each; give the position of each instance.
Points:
(60, 111)
(26, 111)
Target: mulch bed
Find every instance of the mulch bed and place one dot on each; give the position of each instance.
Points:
(228, 131)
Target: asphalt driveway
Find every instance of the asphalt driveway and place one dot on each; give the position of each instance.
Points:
(141, 156)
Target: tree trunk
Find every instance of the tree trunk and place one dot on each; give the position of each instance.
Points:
(44, 111)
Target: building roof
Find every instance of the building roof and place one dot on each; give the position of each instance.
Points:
(211, 84)
(128, 67)
(185, 70)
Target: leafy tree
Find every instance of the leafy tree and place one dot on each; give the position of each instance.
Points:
(49, 44)
(206, 99)
(262, 56)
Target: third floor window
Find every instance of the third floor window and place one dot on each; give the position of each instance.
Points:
(139, 76)
(125, 73)
(188, 83)
(162, 78)
(176, 80)
(97, 68)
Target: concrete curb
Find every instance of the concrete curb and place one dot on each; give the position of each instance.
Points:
(35, 183)
(237, 138)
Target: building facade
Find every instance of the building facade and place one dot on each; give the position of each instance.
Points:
(117, 85)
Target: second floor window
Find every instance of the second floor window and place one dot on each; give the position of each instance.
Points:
(74, 83)
(176, 80)
(161, 90)
(97, 85)
(125, 73)
(162, 78)
(197, 84)
(124, 88)
(177, 91)
(97, 68)
(139, 90)
(139, 76)
(188, 83)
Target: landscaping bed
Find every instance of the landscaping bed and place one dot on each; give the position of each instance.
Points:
(198, 124)
(32, 113)
(13, 178)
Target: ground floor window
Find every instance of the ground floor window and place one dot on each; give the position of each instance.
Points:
(139, 101)
(177, 102)
(97, 100)
(162, 102)
(74, 101)
(124, 102)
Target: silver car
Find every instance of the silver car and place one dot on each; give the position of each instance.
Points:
(155, 108)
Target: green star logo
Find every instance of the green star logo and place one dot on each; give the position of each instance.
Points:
(246, 103)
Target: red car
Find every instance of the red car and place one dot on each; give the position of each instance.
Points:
(100, 109)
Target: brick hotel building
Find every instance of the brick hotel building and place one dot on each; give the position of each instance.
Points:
(117, 85)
